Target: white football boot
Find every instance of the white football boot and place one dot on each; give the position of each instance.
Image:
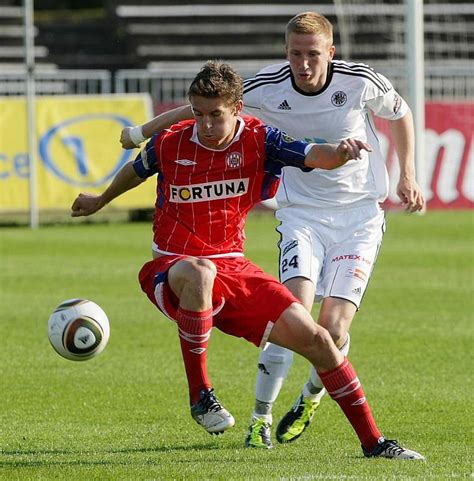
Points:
(210, 414)
(389, 448)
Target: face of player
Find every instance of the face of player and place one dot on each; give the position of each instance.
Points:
(309, 55)
(216, 121)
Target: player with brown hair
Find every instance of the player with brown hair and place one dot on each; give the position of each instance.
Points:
(211, 171)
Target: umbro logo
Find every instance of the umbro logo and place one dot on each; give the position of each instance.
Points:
(185, 162)
(284, 106)
(198, 350)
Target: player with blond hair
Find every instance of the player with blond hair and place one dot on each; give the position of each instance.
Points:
(328, 245)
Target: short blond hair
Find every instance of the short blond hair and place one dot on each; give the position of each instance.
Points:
(310, 23)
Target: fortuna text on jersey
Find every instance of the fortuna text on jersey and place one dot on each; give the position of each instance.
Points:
(208, 191)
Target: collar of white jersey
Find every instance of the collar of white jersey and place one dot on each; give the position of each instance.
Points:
(195, 138)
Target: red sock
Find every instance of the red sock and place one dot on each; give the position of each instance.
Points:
(343, 385)
(194, 331)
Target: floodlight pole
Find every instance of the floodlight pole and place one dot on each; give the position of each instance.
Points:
(30, 109)
(414, 45)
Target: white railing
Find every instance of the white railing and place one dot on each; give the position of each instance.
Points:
(286, 10)
(169, 84)
(58, 82)
(442, 83)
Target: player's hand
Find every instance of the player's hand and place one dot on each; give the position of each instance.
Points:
(125, 139)
(351, 149)
(410, 194)
(86, 204)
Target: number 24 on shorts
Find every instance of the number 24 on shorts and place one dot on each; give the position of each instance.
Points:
(286, 264)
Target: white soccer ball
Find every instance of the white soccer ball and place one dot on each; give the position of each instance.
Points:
(78, 329)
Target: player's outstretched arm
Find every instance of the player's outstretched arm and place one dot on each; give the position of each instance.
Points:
(330, 156)
(132, 137)
(88, 204)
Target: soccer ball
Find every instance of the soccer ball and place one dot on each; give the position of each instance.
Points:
(78, 329)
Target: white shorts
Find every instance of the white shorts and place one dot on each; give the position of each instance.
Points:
(336, 250)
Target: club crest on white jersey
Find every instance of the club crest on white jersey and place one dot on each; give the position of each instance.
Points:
(222, 189)
(339, 98)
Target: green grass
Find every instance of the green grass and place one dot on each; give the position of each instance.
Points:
(124, 415)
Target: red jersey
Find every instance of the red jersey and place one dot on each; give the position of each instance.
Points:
(204, 195)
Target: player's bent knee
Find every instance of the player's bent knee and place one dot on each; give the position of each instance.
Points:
(322, 337)
(190, 271)
(338, 334)
(296, 330)
(336, 316)
(194, 269)
(323, 353)
(338, 326)
(318, 348)
(205, 269)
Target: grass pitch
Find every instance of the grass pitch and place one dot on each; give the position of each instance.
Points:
(124, 415)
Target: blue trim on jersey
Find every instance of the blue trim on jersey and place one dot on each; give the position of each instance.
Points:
(160, 194)
(268, 185)
(282, 150)
(146, 164)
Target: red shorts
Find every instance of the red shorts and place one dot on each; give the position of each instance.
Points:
(246, 300)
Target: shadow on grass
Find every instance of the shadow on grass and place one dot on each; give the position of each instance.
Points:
(14, 454)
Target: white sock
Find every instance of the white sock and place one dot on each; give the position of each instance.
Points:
(267, 417)
(273, 365)
(314, 388)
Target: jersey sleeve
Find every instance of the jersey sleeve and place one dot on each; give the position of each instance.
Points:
(383, 100)
(252, 98)
(258, 87)
(282, 150)
(146, 163)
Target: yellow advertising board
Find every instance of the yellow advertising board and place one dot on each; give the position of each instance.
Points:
(78, 149)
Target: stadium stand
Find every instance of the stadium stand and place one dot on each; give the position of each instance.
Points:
(176, 37)
(117, 34)
(11, 39)
(186, 31)
(85, 38)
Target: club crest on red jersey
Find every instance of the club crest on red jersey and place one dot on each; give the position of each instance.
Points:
(234, 160)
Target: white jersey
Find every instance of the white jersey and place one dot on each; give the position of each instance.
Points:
(340, 109)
